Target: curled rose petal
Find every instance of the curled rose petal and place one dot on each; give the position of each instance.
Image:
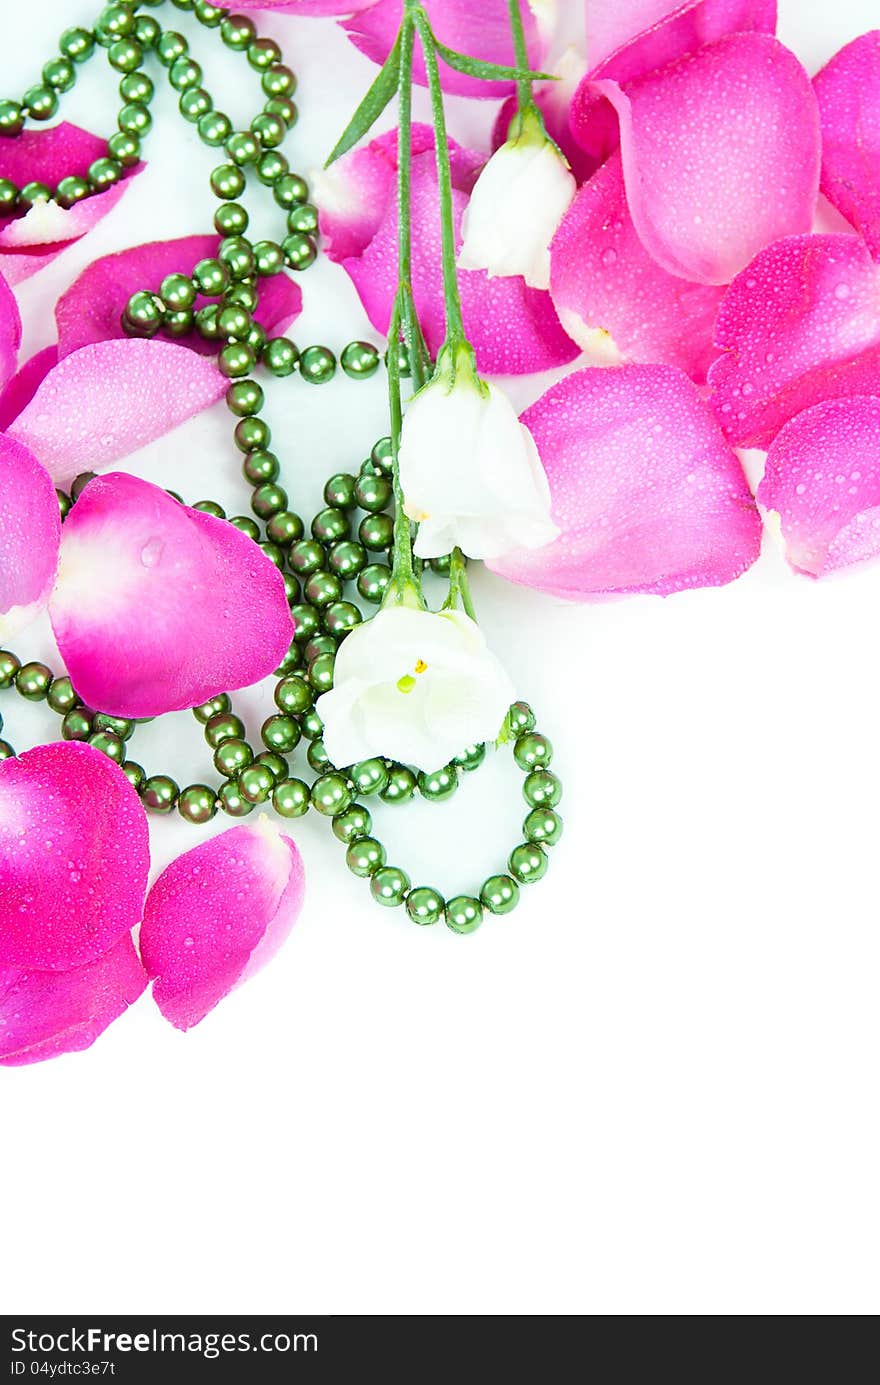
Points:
(647, 494)
(139, 572)
(30, 531)
(314, 9)
(626, 41)
(800, 324)
(74, 856)
(613, 299)
(108, 399)
(848, 92)
(216, 915)
(823, 480)
(91, 309)
(46, 1013)
(10, 331)
(720, 154)
(481, 31)
(21, 388)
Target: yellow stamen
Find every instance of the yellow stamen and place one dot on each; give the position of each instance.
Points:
(421, 666)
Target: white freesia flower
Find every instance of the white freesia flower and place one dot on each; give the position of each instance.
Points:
(414, 686)
(516, 206)
(470, 472)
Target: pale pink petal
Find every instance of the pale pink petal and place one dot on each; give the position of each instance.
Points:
(647, 494)
(10, 331)
(314, 9)
(139, 574)
(720, 154)
(624, 41)
(20, 390)
(613, 299)
(479, 30)
(800, 324)
(216, 915)
(30, 530)
(46, 1013)
(823, 480)
(74, 856)
(106, 400)
(848, 91)
(91, 309)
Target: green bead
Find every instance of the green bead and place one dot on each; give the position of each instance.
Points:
(134, 773)
(77, 44)
(339, 491)
(34, 192)
(369, 776)
(311, 725)
(216, 706)
(177, 291)
(464, 914)
(256, 783)
(64, 503)
(222, 726)
(210, 277)
(144, 314)
(237, 257)
(500, 894)
(61, 697)
(470, 758)
(260, 467)
(126, 55)
(197, 803)
(263, 53)
(103, 173)
(306, 556)
(424, 905)
(185, 72)
(214, 128)
(146, 30)
(252, 433)
(290, 189)
(318, 758)
(442, 565)
(60, 74)
(125, 148)
(293, 695)
(438, 785)
(77, 724)
(278, 80)
(280, 733)
(245, 397)
(322, 588)
(268, 500)
(340, 617)
(373, 493)
(347, 559)
(280, 355)
(359, 360)
(207, 322)
(6, 751)
(114, 21)
(159, 793)
(243, 148)
(269, 130)
(9, 666)
(236, 359)
(246, 525)
(171, 46)
(40, 102)
(364, 856)
(33, 681)
(542, 789)
(520, 719)
(194, 103)
(354, 823)
(208, 14)
(533, 751)
(137, 86)
(331, 795)
(372, 582)
(231, 219)
(291, 798)
(135, 119)
(330, 525)
(268, 257)
(9, 192)
(256, 338)
(275, 764)
(232, 800)
(232, 756)
(271, 166)
(304, 217)
(401, 785)
(389, 886)
(284, 108)
(317, 645)
(543, 825)
(210, 507)
(274, 554)
(120, 726)
(321, 673)
(11, 118)
(285, 528)
(528, 862)
(228, 181)
(80, 482)
(376, 532)
(237, 32)
(300, 250)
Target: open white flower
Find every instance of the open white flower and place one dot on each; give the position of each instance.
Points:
(414, 686)
(516, 206)
(470, 472)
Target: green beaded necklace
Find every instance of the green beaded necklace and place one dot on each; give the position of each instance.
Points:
(353, 541)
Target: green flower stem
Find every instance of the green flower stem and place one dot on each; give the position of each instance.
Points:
(524, 85)
(459, 587)
(417, 352)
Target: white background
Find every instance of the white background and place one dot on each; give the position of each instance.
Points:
(653, 1088)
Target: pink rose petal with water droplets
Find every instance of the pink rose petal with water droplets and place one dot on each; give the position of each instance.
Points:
(354, 194)
(138, 574)
(313, 9)
(106, 400)
(30, 531)
(848, 92)
(613, 299)
(800, 324)
(74, 856)
(21, 388)
(10, 331)
(91, 309)
(647, 493)
(626, 41)
(218, 914)
(44, 1014)
(823, 480)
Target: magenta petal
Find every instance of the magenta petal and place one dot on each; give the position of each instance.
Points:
(46, 1013)
(74, 856)
(216, 915)
(626, 41)
(21, 256)
(647, 494)
(800, 324)
(848, 91)
(20, 390)
(720, 155)
(823, 480)
(10, 331)
(481, 31)
(139, 573)
(603, 280)
(30, 531)
(313, 9)
(106, 400)
(47, 156)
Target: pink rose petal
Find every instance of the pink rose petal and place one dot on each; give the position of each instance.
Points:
(720, 155)
(307, 8)
(10, 331)
(216, 915)
(800, 324)
(48, 155)
(46, 1013)
(74, 856)
(106, 400)
(20, 390)
(481, 31)
(823, 480)
(603, 281)
(30, 531)
(626, 41)
(648, 495)
(139, 573)
(91, 309)
(848, 92)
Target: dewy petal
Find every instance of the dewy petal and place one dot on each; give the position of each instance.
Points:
(108, 399)
(10, 331)
(800, 324)
(481, 31)
(22, 387)
(823, 480)
(613, 299)
(720, 154)
(91, 309)
(139, 573)
(626, 41)
(46, 1013)
(74, 856)
(216, 915)
(647, 494)
(314, 9)
(47, 156)
(30, 531)
(848, 91)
